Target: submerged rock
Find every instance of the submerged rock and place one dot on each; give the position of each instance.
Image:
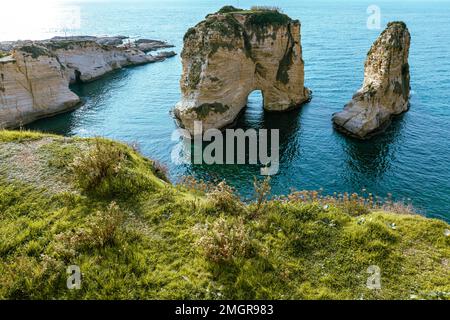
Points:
(147, 45)
(35, 77)
(385, 91)
(234, 52)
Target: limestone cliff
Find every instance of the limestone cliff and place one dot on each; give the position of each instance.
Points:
(34, 79)
(33, 84)
(385, 91)
(234, 52)
(88, 60)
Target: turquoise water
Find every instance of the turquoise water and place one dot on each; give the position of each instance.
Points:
(411, 160)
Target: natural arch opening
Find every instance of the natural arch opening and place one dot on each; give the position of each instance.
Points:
(253, 113)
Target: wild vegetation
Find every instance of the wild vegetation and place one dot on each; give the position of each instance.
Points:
(4, 54)
(99, 205)
(35, 51)
(203, 110)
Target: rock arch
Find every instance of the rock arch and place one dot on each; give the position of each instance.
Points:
(233, 53)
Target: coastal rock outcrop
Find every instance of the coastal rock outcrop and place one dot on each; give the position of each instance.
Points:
(386, 87)
(88, 60)
(31, 88)
(234, 52)
(35, 75)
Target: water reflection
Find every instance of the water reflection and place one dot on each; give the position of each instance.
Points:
(94, 97)
(254, 117)
(371, 161)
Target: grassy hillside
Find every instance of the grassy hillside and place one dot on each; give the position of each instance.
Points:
(98, 204)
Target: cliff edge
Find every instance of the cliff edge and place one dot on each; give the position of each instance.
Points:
(98, 204)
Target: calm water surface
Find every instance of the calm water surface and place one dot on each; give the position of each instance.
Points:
(411, 160)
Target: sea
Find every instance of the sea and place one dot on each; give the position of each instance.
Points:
(409, 162)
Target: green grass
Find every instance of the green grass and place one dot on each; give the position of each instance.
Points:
(229, 9)
(162, 241)
(20, 136)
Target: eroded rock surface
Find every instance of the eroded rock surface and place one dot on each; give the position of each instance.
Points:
(234, 52)
(35, 76)
(31, 88)
(385, 91)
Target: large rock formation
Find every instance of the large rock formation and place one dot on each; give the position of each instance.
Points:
(88, 60)
(34, 79)
(33, 84)
(234, 52)
(385, 91)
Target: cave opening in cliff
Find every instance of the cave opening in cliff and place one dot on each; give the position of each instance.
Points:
(77, 76)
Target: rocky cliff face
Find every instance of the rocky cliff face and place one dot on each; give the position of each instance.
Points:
(385, 91)
(234, 52)
(34, 79)
(88, 60)
(33, 84)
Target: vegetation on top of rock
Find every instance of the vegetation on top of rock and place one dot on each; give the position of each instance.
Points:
(397, 23)
(4, 54)
(393, 42)
(259, 15)
(198, 240)
(189, 32)
(61, 44)
(203, 110)
(35, 50)
(268, 17)
(227, 27)
(228, 9)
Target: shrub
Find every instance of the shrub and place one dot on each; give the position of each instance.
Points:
(228, 9)
(100, 230)
(199, 186)
(35, 51)
(226, 240)
(266, 17)
(265, 8)
(103, 225)
(109, 169)
(352, 204)
(160, 170)
(262, 191)
(103, 161)
(224, 199)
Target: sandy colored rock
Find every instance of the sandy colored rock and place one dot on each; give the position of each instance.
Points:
(386, 87)
(232, 53)
(35, 78)
(33, 84)
(88, 60)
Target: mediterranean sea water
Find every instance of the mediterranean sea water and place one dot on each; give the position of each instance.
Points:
(411, 160)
